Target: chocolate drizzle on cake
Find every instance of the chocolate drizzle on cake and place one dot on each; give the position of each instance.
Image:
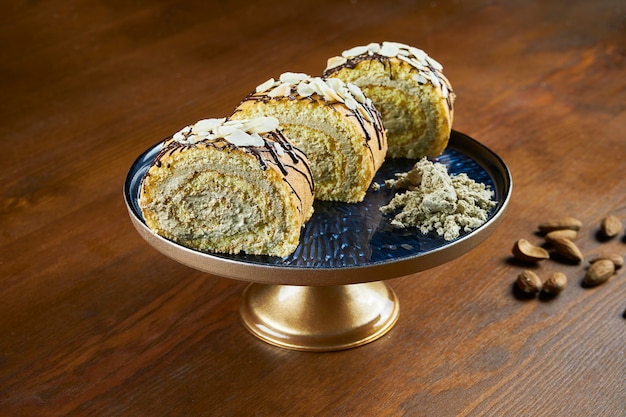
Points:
(266, 143)
(426, 69)
(298, 86)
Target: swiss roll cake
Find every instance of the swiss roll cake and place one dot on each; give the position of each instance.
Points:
(229, 186)
(333, 122)
(409, 89)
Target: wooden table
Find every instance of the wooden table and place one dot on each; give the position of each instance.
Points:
(93, 321)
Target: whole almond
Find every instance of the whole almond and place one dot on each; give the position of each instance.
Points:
(529, 282)
(616, 258)
(611, 226)
(599, 272)
(567, 249)
(556, 283)
(526, 251)
(566, 233)
(560, 224)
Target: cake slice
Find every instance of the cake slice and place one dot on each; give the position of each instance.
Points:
(337, 127)
(408, 88)
(229, 186)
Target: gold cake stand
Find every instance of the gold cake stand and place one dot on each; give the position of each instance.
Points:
(331, 293)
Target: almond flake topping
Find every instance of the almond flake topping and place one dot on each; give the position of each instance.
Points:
(293, 77)
(335, 61)
(389, 50)
(357, 50)
(305, 90)
(330, 89)
(265, 86)
(373, 48)
(206, 125)
(241, 138)
(427, 67)
(356, 92)
(282, 90)
(237, 132)
(261, 124)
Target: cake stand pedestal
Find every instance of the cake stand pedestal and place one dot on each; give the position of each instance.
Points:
(319, 318)
(331, 294)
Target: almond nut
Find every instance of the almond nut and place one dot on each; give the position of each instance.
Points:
(555, 284)
(599, 272)
(526, 251)
(616, 258)
(566, 233)
(560, 224)
(529, 282)
(611, 226)
(567, 249)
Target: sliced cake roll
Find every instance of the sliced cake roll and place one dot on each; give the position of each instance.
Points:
(334, 123)
(229, 186)
(408, 88)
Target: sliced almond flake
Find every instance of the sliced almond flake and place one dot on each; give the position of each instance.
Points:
(335, 62)
(406, 59)
(418, 53)
(444, 90)
(357, 50)
(293, 77)
(266, 85)
(420, 65)
(282, 90)
(351, 103)
(435, 80)
(414, 63)
(193, 138)
(373, 48)
(445, 81)
(334, 83)
(258, 140)
(240, 138)
(364, 113)
(233, 124)
(356, 92)
(279, 149)
(421, 68)
(436, 65)
(420, 78)
(326, 91)
(398, 45)
(389, 50)
(331, 95)
(305, 90)
(179, 137)
(261, 124)
(206, 125)
(318, 85)
(225, 130)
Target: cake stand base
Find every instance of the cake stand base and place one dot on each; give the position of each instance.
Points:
(319, 318)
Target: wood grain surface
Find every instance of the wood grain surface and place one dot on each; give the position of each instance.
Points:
(93, 321)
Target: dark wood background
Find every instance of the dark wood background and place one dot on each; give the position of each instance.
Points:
(93, 321)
